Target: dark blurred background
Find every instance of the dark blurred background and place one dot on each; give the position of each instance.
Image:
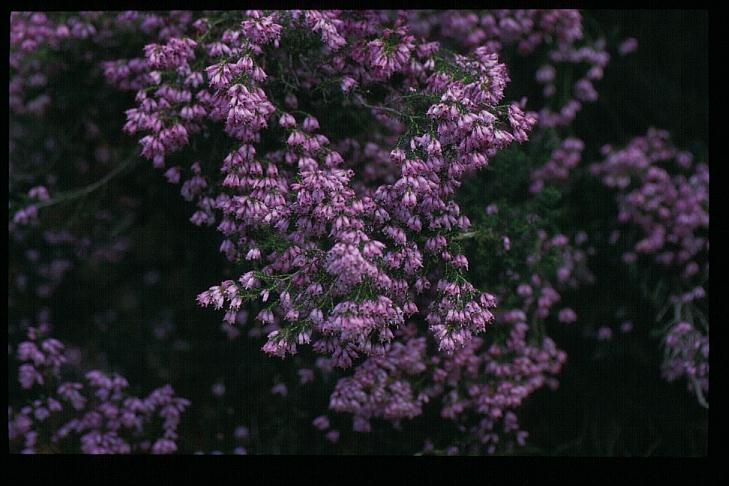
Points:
(665, 83)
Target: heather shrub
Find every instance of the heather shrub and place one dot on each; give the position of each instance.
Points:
(331, 231)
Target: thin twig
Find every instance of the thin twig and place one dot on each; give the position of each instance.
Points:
(464, 236)
(71, 195)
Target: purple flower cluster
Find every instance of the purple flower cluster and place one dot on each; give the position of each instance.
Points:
(559, 166)
(36, 32)
(512, 371)
(628, 46)
(527, 29)
(559, 31)
(100, 413)
(665, 194)
(687, 356)
(488, 380)
(596, 58)
(380, 387)
(303, 197)
(29, 33)
(39, 358)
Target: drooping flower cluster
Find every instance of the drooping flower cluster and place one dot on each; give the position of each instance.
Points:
(33, 33)
(30, 33)
(583, 90)
(302, 198)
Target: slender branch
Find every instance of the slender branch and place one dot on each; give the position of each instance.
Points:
(390, 110)
(464, 236)
(699, 393)
(71, 195)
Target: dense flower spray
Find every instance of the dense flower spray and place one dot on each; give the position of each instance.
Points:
(330, 150)
(376, 236)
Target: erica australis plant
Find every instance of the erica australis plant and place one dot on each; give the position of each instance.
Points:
(392, 197)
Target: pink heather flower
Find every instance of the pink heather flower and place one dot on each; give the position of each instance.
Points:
(261, 30)
(173, 175)
(39, 192)
(604, 334)
(279, 389)
(332, 436)
(648, 198)
(218, 389)
(521, 122)
(584, 91)
(321, 422)
(241, 432)
(567, 315)
(164, 446)
(628, 46)
(348, 84)
(546, 74)
(287, 121)
(29, 376)
(305, 376)
(97, 411)
(310, 124)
